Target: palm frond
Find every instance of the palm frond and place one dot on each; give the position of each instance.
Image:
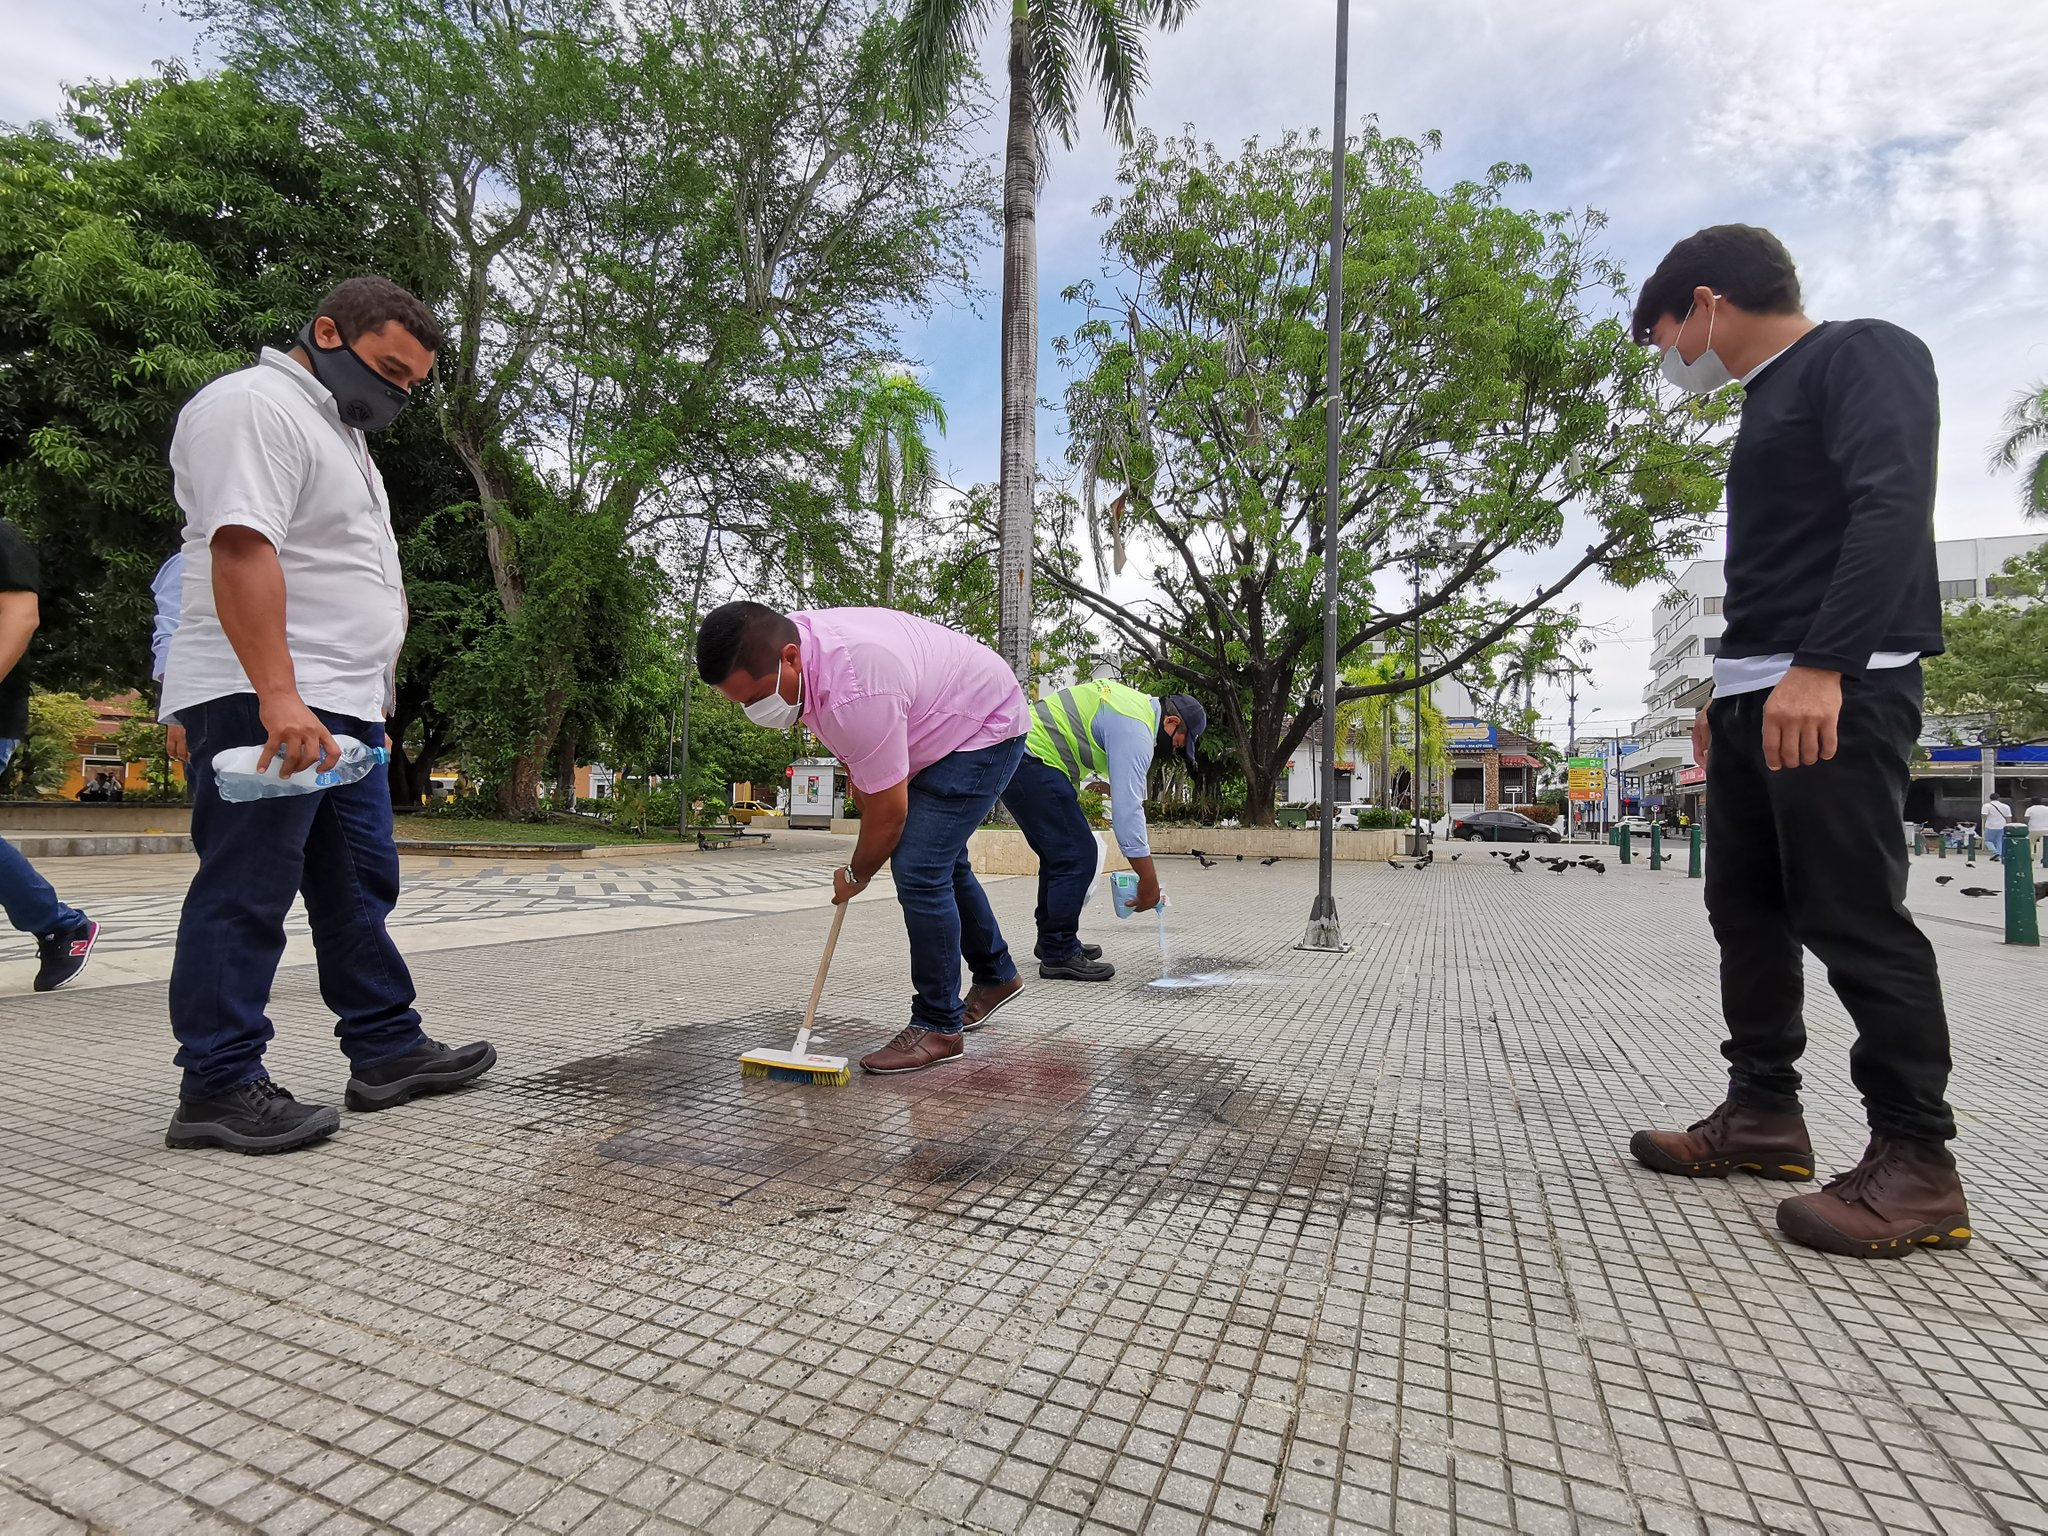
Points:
(1055, 58)
(940, 34)
(2025, 423)
(1113, 41)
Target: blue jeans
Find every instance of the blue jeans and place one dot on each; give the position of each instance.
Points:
(944, 906)
(1048, 812)
(335, 848)
(1994, 839)
(32, 906)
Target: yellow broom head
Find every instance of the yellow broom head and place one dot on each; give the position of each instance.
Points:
(789, 1068)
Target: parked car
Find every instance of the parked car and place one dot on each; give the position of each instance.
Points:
(1635, 826)
(747, 810)
(1502, 827)
(1348, 812)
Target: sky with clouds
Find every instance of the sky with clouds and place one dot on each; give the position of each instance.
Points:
(1896, 146)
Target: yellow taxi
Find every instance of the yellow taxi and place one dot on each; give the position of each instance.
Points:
(750, 810)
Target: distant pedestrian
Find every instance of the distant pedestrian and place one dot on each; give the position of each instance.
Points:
(64, 935)
(167, 587)
(292, 616)
(2037, 817)
(1832, 599)
(1997, 816)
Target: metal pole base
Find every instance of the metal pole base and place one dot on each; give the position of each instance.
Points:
(1324, 936)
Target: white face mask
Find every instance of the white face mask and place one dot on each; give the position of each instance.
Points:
(773, 710)
(1705, 373)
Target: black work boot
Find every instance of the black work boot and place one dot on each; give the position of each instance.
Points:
(1731, 1139)
(256, 1117)
(1090, 951)
(1080, 968)
(429, 1067)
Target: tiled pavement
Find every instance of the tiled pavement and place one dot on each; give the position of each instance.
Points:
(1351, 1243)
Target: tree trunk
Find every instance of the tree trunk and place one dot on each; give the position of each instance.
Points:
(1261, 779)
(566, 753)
(519, 795)
(885, 509)
(1019, 354)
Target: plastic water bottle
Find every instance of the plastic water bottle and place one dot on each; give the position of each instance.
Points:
(234, 770)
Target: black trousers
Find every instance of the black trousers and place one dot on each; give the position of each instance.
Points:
(1816, 857)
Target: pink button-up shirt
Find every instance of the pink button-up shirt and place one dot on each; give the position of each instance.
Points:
(890, 694)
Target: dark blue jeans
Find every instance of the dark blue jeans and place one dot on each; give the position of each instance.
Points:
(32, 906)
(1048, 812)
(335, 848)
(944, 906)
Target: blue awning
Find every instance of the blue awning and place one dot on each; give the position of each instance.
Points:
(2008, 757)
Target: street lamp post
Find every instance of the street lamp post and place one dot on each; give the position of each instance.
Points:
(1324, 932)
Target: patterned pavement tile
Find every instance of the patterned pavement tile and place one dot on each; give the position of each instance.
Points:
(1335, 1243)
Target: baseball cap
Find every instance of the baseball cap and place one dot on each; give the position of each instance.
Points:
(1191, 714)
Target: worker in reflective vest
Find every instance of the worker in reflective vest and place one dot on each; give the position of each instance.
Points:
(1096, 730)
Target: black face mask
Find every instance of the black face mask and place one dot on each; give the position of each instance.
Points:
(366, 399)
(1162, 746)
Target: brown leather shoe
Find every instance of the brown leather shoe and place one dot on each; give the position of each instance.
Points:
(1731, 1138)
(913, 1049)
(983, 1000)
(1903, 1195)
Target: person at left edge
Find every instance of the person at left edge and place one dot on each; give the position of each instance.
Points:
(930, 725)
(64, 936)
(293, 612)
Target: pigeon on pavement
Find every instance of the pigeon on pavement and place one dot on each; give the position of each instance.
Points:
(1975, 890)
(1275, 859)
(1943, 879)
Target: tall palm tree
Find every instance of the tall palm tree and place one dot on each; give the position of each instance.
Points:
(1060, 50)
(2026, 433)
(888, 465)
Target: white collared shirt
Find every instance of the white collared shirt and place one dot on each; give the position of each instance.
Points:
(264, 448)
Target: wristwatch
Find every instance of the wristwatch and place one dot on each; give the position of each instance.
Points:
(851, 878)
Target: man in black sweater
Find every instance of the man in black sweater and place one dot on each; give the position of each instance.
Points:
(1831, 603)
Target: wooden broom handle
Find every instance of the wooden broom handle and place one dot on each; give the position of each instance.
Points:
(803, 1038)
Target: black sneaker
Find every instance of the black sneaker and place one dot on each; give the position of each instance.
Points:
(1080, 968)
(1092, 951)
(64, 953)
(257, 1117)
(428, 1068)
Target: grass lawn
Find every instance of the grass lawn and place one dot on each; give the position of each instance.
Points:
(447, 829)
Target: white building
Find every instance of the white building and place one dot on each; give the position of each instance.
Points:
(1688, 625)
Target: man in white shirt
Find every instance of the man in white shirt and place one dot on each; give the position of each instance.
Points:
(293, 611)
(2037, 819)
(1996, 815)
(167, 589)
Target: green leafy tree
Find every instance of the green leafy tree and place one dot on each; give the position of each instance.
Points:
(1060, 52)
(1991, 683)
(2024, 447)
(142, 740)
(889, 469)
(151, 239)
(673, 245)
(1377, 725)
(59, 725)
(1493, 405)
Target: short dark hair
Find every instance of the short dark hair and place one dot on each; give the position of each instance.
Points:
(360, 305)
(1747, 266)
(741, 637)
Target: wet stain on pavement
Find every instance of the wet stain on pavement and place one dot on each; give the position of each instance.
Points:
(666, 1139)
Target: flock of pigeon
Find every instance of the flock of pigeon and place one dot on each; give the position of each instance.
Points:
(2040, 887)
(1515, 861)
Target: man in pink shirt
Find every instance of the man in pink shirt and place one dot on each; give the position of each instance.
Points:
(930, 725)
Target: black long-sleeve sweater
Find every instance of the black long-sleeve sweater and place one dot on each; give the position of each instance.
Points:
(1831, 502)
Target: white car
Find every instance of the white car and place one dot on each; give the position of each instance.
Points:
(1635, 826)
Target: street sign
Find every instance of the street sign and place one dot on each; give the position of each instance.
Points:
(1586, 778)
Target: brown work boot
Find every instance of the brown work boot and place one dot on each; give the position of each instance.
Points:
(984, 998)
(1903, 1195)
(1732, 1137)
(913, 1049)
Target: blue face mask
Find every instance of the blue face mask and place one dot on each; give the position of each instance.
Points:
(366, 399)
